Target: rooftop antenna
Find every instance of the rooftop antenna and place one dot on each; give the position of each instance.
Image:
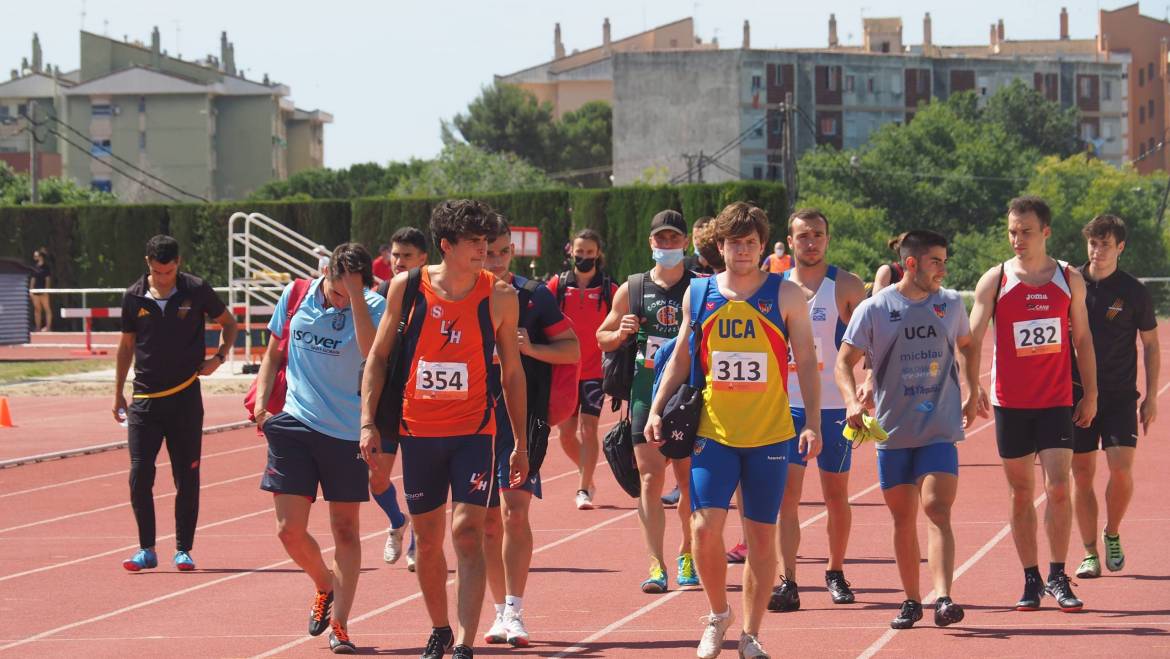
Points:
(82, 14)
(178, 37)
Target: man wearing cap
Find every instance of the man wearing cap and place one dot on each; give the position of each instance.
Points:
(652, 320)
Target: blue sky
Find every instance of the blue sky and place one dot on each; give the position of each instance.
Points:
(389, 70)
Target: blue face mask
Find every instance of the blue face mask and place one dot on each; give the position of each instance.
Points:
(668, 258)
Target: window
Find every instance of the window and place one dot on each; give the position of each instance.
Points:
(3, 111)
(1107, 90)
(1141, 114)
(1151, 144)
(850, 83)
(775, 124)
(101, 110)
(779, 75)
(141, 104)
(1107, 132)
(757, 172)
(100, 148)
(828, 126)
(1088, 132)
(102, 185)
(870, 85)
(1150, 71)
(832, 78)
(22, 110)
(923, 82)
(1141, 77)
(885, 46)
(756, 83)
(1150, 110)
(1086, 87)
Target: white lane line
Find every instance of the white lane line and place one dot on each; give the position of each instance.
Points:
(967, 565)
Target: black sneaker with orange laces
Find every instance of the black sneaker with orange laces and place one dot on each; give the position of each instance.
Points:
(319, 614)
(339, 641)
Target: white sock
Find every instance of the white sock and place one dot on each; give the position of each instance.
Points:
(514, 604)
(724, 615)
(499, 610)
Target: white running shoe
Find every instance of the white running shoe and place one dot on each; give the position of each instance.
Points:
(498, 632)
(715, 628)
(517, 633)
(410, 559)
(393, 550)
(584, 500)
(750, 648)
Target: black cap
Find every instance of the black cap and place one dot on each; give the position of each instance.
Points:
(668, 219)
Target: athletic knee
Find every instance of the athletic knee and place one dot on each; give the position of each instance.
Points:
(938, 512)
(467, 539)
(515, 519)
(345, 531)
(290, 535)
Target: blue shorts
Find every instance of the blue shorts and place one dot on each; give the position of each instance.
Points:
(432, 466)
(760, 472)
(836, 455)
(505, 442)
(904, 466)
(300, 459)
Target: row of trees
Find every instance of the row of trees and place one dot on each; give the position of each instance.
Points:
(15, 190)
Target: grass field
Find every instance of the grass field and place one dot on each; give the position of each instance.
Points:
(12, 372)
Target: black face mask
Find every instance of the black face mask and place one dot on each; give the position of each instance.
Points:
(584, 264)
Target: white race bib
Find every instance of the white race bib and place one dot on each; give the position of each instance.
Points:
(441, 380)
(820, 356)
(653, 343)
(1037, 337)
(739, 371)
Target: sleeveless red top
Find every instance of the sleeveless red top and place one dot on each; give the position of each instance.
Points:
(1032, 368)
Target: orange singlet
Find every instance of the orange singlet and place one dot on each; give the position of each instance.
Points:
(449, 346)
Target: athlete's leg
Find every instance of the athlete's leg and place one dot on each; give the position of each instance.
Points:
(682, 472)
(1119, 491)
(1057, 463)
(493, 550)
(761, 572)
(467, 523)
(292, 527)
(902, 500)
(1021, 480)
(1084, 469)
(651, 513)
(789, 526)
(517, 551)
(710, 558)
(347, 557)
(431, 563)
(590, 450)
(835, 488)
(937, 492)
(570, 443)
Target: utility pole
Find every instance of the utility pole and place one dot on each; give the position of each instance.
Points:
(700, 165)
(690, 158)
(788, 149)
(32, 151)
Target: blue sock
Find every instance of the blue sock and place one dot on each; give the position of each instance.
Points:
(388, 500)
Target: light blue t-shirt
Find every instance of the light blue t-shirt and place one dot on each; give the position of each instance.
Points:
(912, 348)
(324, 362)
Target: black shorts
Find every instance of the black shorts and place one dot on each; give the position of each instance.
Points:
(432, 466)
(505, 443)
(300, 459)
(1116, 424)
(1020, 432)
(590, 397)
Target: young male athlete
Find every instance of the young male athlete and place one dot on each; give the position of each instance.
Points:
(913, 332)
(1120, 310)
(662, 289)
(407, 250)
(748, 319)
(462, 314)
(833, 294)
(544, 335)
(314, 440)
(1038, 304)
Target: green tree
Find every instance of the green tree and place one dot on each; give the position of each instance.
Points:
(585, 140)
(14, 191)
(360, 180)
(464, 169)
(507, 119)
(1035, 121)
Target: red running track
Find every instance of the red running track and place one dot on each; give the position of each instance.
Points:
(65, 527)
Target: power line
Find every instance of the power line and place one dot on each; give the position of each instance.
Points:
(87, 152)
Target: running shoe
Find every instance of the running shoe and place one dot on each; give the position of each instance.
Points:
(1060, 588)
(184, 562)
(1033, 591)
(339, 641)
(143, 559)
(410, 552)
(737, 554)
(517, 632)
(498, 633)
(687, 576)
(911, 613)
(785, 597)
(750, 648)
(838, 587)
(671, 498)
(393, 549)
(1114, 557)
(463, 652)
(656, 582)
(584, 500)
(1090, 568)
(946, 612)
(440, 641)
(319, 614)
(714, 629)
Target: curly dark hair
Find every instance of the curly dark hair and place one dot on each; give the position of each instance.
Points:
(352, 257)
(455, 219)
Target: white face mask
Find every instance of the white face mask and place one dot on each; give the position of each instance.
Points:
(667, 258)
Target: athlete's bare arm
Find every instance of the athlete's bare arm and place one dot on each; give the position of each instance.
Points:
(850, 292)
(619, 324)
(847, 357)
(121, 370)
(374, 375)
(1152, 356)
(794, 311)
(976, 402)
(674, 374)
(985, 292)
(562, 347)
(1082, 340)
(882, 277)
(505, 315)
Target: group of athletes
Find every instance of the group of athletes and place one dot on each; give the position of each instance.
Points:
(779, 350)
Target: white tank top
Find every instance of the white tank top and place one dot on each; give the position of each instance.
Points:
(827, 330)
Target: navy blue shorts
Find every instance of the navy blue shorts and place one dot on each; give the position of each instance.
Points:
(836, 454)
(300, 459)
(590, 397)
(904, 466)
(505, 442)
(760, 472)
(432, 466)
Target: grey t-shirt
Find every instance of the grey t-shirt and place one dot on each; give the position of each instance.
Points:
(912, 348)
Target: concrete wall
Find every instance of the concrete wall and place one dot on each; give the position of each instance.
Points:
(245, 128)
(666, 104)
(101, 56)
(178, 142)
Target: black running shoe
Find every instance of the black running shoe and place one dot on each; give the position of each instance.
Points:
(463, 652)
(339, 641)
(439, 643)
(946, 612)
(838, 587)
(911, 613)
(785, 597)
(1033, 591)
(319, 614)
(1061, 589)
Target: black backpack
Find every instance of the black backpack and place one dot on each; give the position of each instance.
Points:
(569, 278)
(617, 367)
(618, 447)
(538, 376)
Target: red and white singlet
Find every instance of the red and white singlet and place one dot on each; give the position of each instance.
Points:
(1032, 368)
